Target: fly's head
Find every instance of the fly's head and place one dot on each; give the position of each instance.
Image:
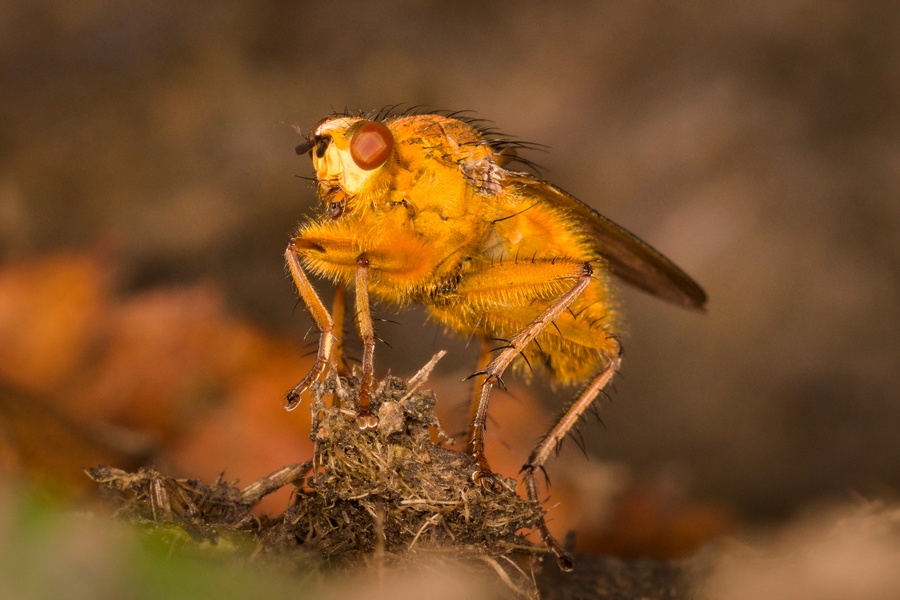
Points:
(349, 155)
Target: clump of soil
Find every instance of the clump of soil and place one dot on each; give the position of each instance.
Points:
(392, 492)
(396, 489)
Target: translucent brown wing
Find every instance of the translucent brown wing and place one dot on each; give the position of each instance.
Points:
(629, 257)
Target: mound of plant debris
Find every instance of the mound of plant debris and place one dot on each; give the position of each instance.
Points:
(393, 492)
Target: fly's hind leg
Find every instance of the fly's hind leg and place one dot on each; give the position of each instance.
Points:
(554, 437)
(582, 272)
(323, 321)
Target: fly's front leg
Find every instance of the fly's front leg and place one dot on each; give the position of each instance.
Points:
(495, 369)
(552, 440)
(323, 321)
(365, 418)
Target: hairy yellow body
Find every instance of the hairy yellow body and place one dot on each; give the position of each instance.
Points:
(441, 226)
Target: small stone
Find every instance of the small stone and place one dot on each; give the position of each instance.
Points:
(390, 418)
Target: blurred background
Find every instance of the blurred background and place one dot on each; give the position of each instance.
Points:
(148, 189)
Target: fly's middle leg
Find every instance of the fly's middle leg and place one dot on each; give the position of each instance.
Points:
(365, 418)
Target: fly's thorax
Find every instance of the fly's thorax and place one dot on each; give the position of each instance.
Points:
(360, 163)
(426, 142)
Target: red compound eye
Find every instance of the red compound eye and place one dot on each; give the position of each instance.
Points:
(371, 145)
